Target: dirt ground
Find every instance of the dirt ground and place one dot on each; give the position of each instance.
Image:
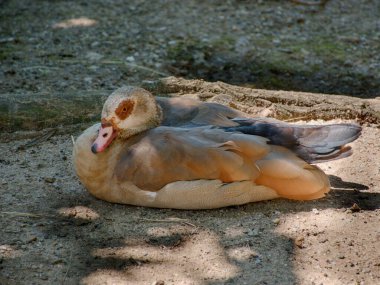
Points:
(62, 45)
(53, 232)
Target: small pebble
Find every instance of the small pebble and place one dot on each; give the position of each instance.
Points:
(253, 233)
(299, 242)
(323, 240)
(355, 208)
(57, 261)
(49, 179)
(31, 239)
(276, 221)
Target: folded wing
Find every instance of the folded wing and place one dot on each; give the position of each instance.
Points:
(165, 154)
(185, 112)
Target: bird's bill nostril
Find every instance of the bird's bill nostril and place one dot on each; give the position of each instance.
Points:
(105, 136)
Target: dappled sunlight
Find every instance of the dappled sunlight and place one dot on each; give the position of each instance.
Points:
(105, 277)
(167, 254)
(241, 253)
(79, 212)
(9, 251)
(77, 22)
(159, 231)
(325, 247)
(164, 231)
(234, 231)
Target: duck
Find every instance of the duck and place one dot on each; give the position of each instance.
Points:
(182, 153)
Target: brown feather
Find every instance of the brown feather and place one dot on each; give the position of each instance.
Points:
(124, 109)
(199, 158)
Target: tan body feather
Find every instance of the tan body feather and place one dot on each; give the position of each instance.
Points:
(185, 154)
(104, 177)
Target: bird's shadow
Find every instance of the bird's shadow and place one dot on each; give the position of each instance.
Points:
(337, 183)
(346, 194)
(343, 194)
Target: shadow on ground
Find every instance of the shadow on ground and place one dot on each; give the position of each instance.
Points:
(275, 72)
(235, 245)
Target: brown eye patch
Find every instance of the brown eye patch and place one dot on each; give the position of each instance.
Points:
(124, 109)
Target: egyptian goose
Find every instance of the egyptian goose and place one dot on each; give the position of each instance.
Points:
(186, 154)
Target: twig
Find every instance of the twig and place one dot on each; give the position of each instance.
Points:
(169, 220)
(310, 3)
(73, 140)
(68, 267)
(295, 119)
(135, 66)
(120, 63)
(39, 67)
(38, 140)
(6, 40)
(21, 214)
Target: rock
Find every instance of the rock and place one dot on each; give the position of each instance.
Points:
(49, 179)
(94, 56)
(355, 208)
(95, 44)
(58, 261)
(253, 232)
(276, 221)
(81, 222)
(88, 79)
(31, 239)
(7, 40)
(299, 242)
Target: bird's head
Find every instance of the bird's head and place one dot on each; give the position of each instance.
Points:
(126, 112)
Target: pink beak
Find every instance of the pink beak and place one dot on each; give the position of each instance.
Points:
(105, 137)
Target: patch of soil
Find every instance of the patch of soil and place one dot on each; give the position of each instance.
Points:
(53, 232)
(80, 45)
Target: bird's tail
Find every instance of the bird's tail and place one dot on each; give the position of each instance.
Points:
(312, 143)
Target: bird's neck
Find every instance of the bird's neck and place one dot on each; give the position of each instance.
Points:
(94, 170)
(154, 120)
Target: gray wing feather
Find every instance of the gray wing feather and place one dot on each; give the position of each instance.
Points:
(313, 143)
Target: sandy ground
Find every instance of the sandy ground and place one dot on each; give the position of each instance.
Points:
(53, 232)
